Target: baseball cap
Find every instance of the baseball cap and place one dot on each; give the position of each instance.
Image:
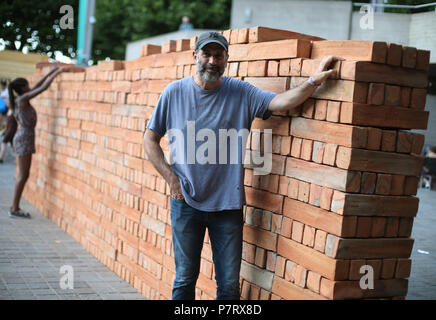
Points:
(209, 37)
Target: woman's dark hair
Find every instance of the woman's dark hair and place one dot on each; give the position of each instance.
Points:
(17, 86)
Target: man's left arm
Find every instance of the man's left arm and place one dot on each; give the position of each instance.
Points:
(294, 97)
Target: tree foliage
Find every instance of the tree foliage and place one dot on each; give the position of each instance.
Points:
(122, 21)
(35, 25)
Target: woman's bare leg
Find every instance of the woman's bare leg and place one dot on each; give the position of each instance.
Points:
(2, 150)
(24, 163)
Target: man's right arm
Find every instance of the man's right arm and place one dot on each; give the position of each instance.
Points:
(156, 156)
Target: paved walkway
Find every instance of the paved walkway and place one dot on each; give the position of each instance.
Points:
(33, 251)
(422, 281)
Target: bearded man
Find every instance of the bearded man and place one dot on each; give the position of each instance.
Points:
(204, 194)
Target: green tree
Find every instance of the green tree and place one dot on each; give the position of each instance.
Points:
(122, 21)
(35, 25)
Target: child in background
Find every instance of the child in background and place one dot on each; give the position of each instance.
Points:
(8, 133)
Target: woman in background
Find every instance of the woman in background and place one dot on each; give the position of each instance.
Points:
(8, 133)
(24, 139)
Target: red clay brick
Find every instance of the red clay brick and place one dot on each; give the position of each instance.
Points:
(254, 292)
(271, 258)
(326, 198)
(295, 69)
(300, 276)
(273, 68)
(260, 258)
(411, 185)
(308, 108)
(392, 95)
(403, 268)
(388, 268)
(374, 138)
(257, 68)
(284, 67)
(293, 188)
(290, 270)
(368, 183)
(404, 142)
(409, 57)
(320, 239)
(355, 266)
(320, 110)
(376, 93)
(376, 265)
(364, 225)
(418, 98)
(330, 154)
(318, 151)
(260, 237)
(395, 53)
(378, 227)
(243, 69)
(245, 290)
(309, 236)
(297, 231)
(286, 228)
(333, 111)
(303, 191)
(243, 35)
(313, 281)
(389, 140)
(405, 96)
(392, 227)
(422, 59)
(285, 146)
(418, 143)
(315, 194)
(280, 266)
(283, 185)
(296, 147)
(383, 185)
(405, 227)
(397, 185)
(233, 69)
(306, 149)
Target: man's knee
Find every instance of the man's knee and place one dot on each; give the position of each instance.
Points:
(186, 273)
(185, 284)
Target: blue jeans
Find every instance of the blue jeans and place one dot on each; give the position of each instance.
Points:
(225, 233)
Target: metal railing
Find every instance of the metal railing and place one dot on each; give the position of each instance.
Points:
(399, 6)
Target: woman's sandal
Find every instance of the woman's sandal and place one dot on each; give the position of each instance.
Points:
(18, 213)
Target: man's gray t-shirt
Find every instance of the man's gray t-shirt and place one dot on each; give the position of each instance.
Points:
(197, 122)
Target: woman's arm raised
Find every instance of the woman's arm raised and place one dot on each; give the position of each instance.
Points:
(43, 78)
(34, 92)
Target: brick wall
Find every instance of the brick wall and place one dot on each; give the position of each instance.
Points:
(341, 193)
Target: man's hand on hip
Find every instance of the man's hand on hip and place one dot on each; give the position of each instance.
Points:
(176, 189)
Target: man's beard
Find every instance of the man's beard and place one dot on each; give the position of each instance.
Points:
(209, 76)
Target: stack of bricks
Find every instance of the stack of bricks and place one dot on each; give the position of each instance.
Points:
(340, 195)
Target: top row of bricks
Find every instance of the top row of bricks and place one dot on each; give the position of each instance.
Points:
(372, 51)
